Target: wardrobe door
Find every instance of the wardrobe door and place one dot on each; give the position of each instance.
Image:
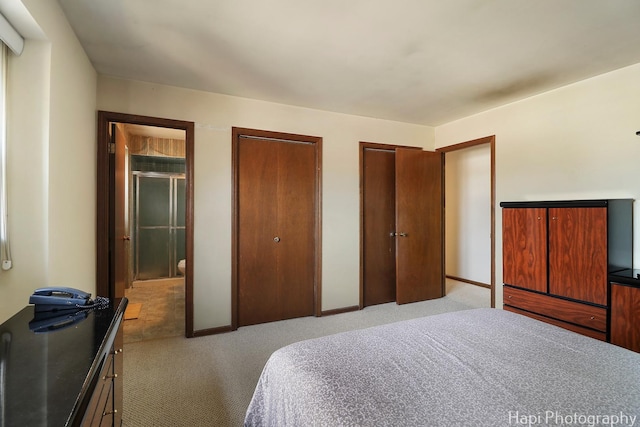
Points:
(419, 226)
(578, 253)
(524, 248)
(379, 224)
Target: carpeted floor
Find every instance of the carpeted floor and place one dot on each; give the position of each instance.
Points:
(209, 381)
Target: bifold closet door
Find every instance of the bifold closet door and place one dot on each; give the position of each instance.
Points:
(419, 226)
(403, 234)
(379, 225)
(276, 230)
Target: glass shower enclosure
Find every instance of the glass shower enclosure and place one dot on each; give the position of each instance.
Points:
(158, 224)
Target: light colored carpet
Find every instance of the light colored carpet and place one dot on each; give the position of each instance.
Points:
(209, 381)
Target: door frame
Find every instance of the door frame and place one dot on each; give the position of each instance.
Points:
(237, 133)
(491, 140)
(105, 280)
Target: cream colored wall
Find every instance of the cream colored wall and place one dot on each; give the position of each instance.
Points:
(214, 116)
(51, 155)
(576, 142)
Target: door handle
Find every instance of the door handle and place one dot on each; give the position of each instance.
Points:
(403, 234)
(276, 239)
(394, 234)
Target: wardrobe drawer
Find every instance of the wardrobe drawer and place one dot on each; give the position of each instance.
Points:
(602, 336)
(557, 308)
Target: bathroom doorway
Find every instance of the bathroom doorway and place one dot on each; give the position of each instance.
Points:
(145, 228)
(156, 194)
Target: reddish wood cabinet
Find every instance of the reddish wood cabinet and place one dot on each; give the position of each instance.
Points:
(557, 255)
(625, 316)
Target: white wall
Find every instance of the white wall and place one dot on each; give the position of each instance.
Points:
(52, 160)
(468, 213)
(214, 116)
(576, 142)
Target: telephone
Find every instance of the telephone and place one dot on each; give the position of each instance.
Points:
(53, 299)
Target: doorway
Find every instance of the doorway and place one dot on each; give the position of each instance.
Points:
(145, 172)
(470, 212)
(402, 244)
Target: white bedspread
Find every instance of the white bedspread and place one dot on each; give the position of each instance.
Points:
(483, 367)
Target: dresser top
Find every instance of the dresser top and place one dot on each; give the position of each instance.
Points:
(630, 277)
(45, 375)
(567, 203)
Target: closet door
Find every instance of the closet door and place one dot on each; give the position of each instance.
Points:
(257, 190)
(379, 225)
(276, 230)
(419, 226)
(295, 254)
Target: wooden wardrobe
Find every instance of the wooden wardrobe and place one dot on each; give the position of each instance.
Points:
(402, 230)
(557, 255)
(276, 226)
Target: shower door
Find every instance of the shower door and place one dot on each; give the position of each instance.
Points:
(159, 224)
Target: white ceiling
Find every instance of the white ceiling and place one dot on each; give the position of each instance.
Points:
(418, 61)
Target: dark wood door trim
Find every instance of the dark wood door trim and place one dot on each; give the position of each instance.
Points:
(491, 140)
(104, 266)
(237, 133)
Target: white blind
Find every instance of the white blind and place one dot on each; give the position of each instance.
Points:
(10, 36)
(5, 252)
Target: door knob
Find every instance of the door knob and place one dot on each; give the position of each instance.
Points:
(398, 234)
(126, 238)
(276, 239)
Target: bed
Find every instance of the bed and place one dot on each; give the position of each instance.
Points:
(481, 367)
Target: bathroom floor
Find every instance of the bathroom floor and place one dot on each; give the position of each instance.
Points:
(161, 312)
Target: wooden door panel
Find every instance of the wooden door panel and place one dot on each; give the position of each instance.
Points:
(257, 190)
(524, 248)
(419, 215)
(296, 229)
(625, 316)
(120, 215)
(578, 253)
(379, 252)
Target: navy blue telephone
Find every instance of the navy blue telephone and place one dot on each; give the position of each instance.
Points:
(53, 299)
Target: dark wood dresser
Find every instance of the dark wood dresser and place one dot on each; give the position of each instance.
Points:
(624, 319)
(66, 375)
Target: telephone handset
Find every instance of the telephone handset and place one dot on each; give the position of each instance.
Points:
(60, 298)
